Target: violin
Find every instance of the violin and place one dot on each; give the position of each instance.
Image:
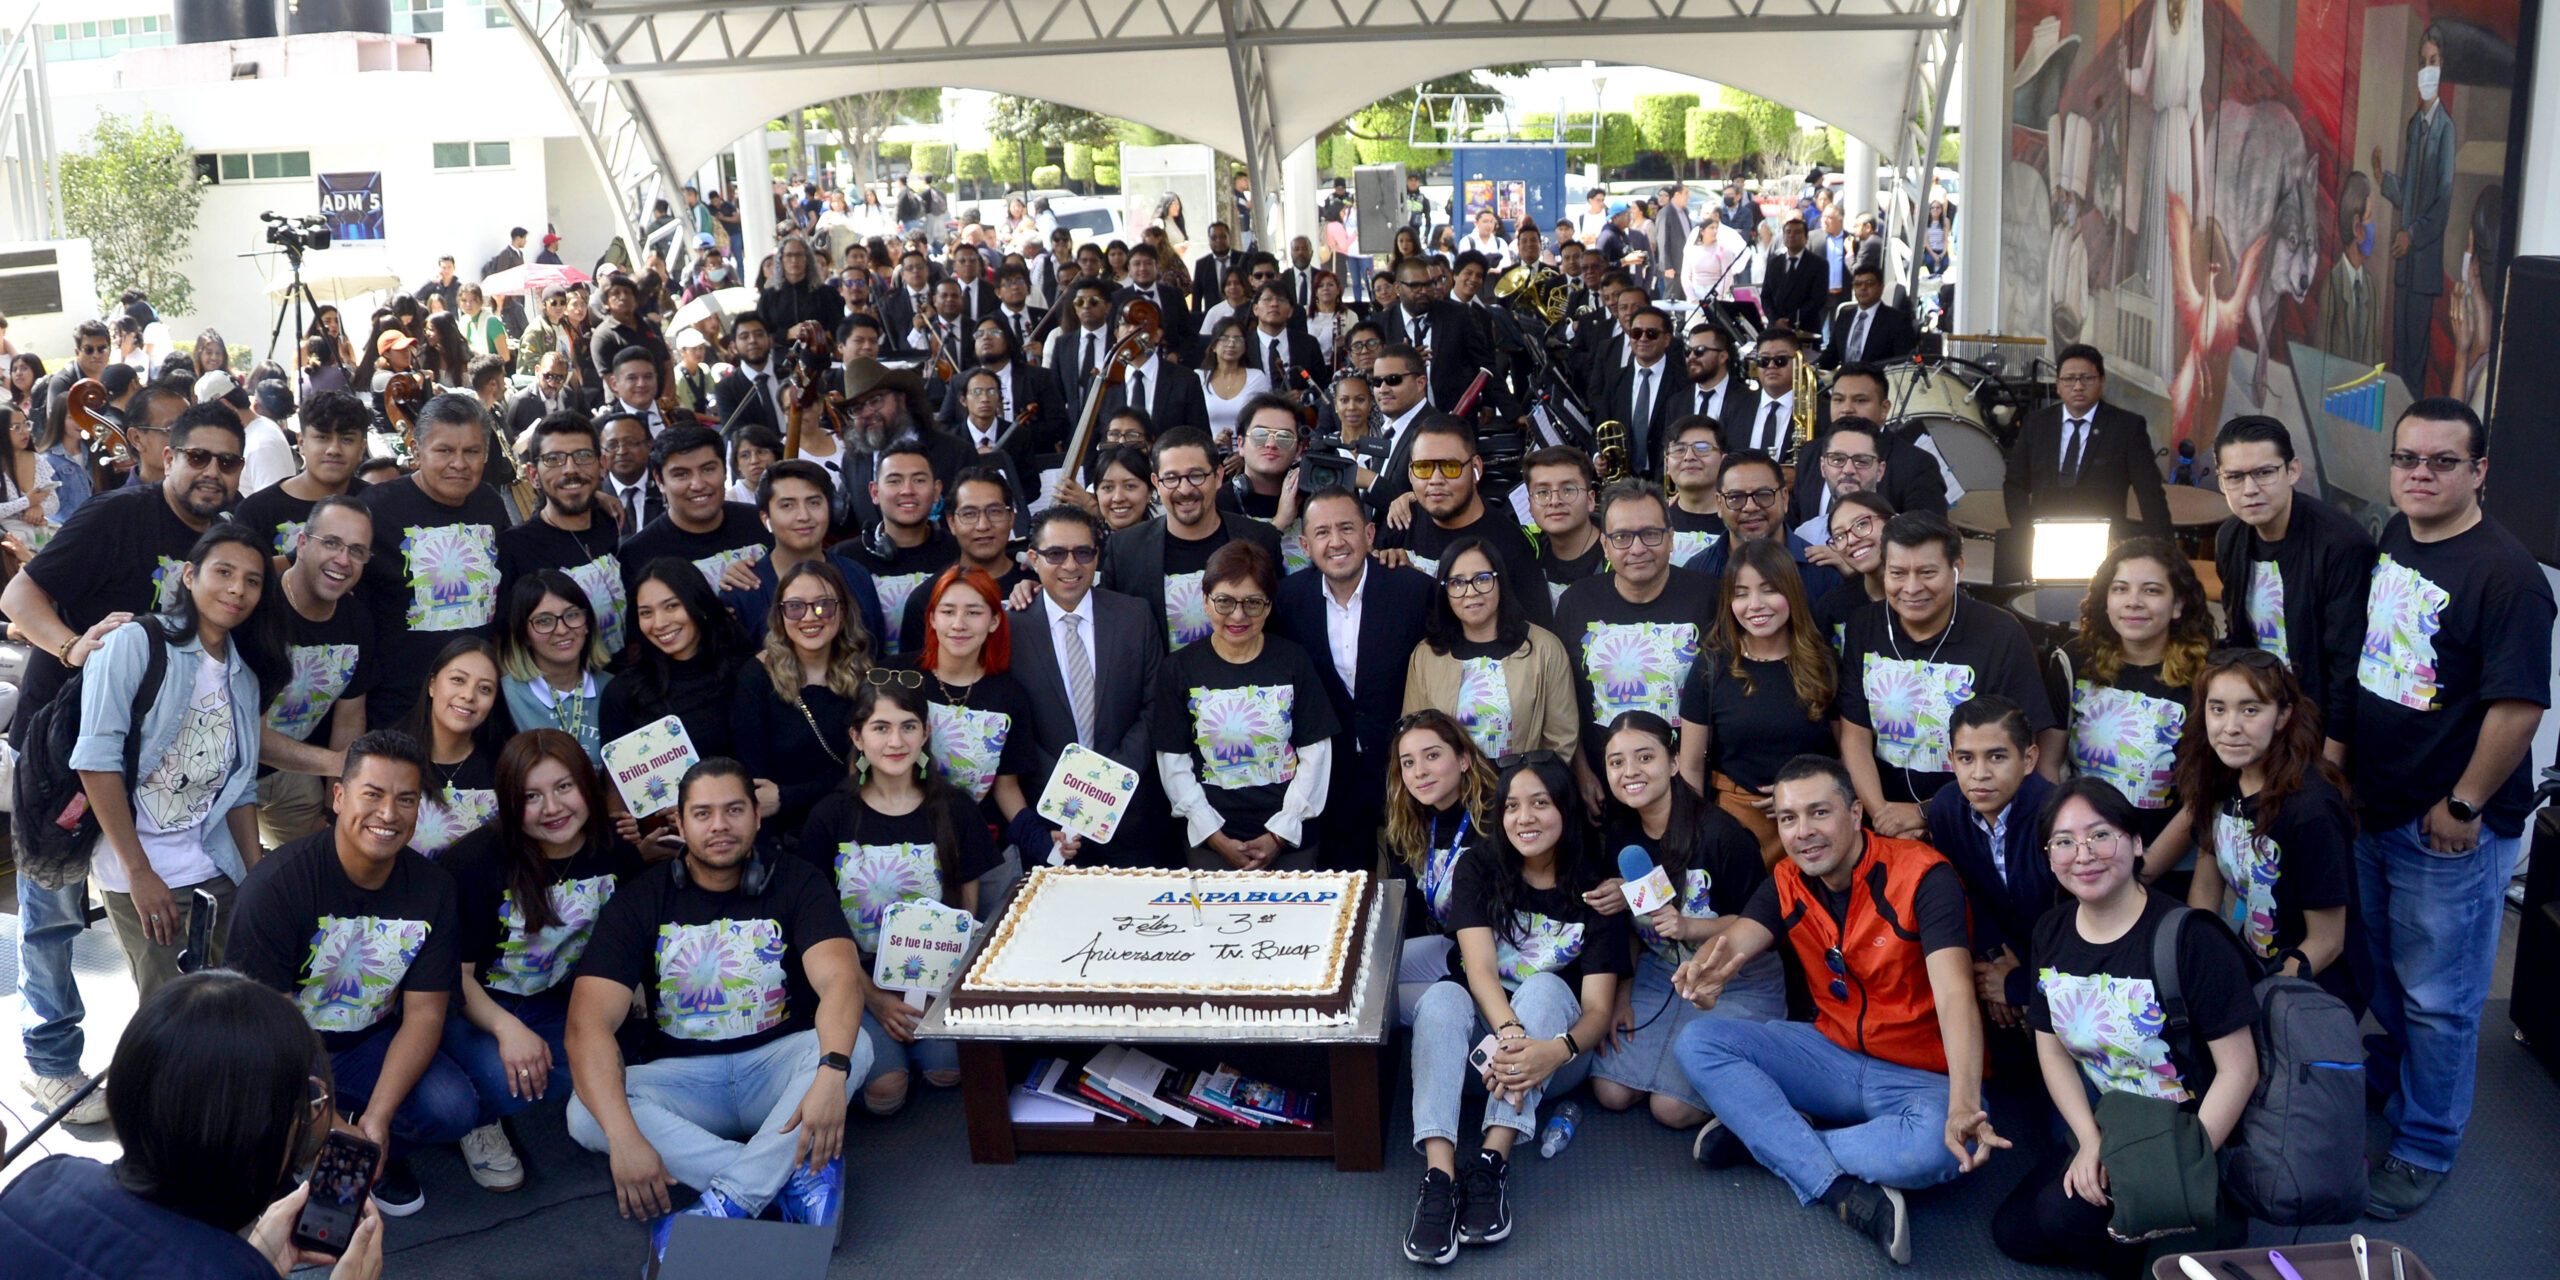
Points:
(85, 410)
(806, 338)
(1145, 324)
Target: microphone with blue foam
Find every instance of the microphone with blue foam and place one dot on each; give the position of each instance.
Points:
(1647, 887)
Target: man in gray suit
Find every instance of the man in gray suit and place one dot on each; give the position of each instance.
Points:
(1088, 660)
(2423, 193)
(1672, 229)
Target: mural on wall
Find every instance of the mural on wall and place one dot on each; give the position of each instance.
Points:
(2289, 207)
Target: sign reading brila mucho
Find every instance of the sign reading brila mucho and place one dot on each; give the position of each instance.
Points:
(648, 762)
(1088, 793)
(920, 945)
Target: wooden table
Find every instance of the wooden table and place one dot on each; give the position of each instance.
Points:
(1343, 1064)
(1986, 511)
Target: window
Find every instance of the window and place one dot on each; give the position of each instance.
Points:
(417, 17)
(264, 166)
(489, 155)
(235, 168)
(453, 155)
(78, 41)
(474, 155)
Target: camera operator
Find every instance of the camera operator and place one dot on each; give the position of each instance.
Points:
(194, 1195)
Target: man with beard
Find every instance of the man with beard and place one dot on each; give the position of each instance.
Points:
(747, 394)
(1634, 630)
(797, 500)
(1438, 330)
(433, 574)
(1161, 560)
(117, 557)
(905, 549)
(1446, 472)
(572, 532)
(719, 537)
(333, 427)
(310, 722)
(885, 406)
(979, 518)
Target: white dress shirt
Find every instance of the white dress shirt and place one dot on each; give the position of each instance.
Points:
(1060, 637)
(1342, 631)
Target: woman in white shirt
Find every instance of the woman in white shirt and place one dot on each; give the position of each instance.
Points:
(1227, 383)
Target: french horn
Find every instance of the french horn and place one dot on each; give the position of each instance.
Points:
(1541, 289)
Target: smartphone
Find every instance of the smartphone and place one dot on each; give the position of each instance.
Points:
(339, 1180)
(201, 917)
(1481, 1057)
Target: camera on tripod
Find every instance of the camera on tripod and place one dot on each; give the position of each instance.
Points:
(296, 234)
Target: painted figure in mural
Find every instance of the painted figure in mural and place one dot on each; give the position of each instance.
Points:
(2264, 191)
(2423, 193)
(2347, 329)
(2171, 77)
(2213, 296)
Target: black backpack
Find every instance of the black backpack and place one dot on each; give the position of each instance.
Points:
(50, 825)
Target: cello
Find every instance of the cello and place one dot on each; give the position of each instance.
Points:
(84, 409)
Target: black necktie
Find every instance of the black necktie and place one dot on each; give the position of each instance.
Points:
(1085, 370)
(1276, 368)
(1768, 441)
(1138, 389)
(2075, 433)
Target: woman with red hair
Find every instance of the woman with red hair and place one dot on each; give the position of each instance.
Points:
(979, 735)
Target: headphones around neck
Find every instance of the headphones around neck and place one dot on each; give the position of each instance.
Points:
(751, 881)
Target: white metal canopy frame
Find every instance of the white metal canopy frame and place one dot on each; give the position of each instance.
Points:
(657, 86)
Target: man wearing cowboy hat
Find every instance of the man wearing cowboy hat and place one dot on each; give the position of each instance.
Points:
(884, 405)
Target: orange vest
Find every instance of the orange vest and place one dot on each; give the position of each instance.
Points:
(1890, 1011)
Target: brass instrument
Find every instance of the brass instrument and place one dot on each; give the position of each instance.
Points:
(1610, 458)
(1541, 289)
(1808, 384)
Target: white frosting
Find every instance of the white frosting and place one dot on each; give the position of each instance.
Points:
(1129, 932)
(1200, 1015)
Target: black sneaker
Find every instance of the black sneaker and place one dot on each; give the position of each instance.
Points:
(1484, 1216)
(2399, 1189)
(1433, 1239)
(1718, 1147)
(397, 1193)
(1879, 1214)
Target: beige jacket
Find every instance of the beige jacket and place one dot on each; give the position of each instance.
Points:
(1539, 678)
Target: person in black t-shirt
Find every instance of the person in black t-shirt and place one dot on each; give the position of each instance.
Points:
(1562, 488)
(722, 539)
(572, 532)
(1689, 466)
(1446, 473)
(1760, 693)
(458, 719)
(333, 427)
(684, 662)
(906, 548)
(795, 500)
(2294, 570)
(2124, 681)
(2097, 1012)
(360, 930)
(751, 990)
(329, 646)
(979, 518)
(1634, 630)
(434, 570)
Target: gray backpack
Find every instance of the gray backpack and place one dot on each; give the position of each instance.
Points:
(2297, 1156)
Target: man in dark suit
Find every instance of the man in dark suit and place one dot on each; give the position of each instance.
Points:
(1209, 274)
(1181, 323)
(1748, 422)
(1984, 823)
(548, 395)
(1169, 393)
(1706, 356)
(1650, 393)
(977, 285)
(1395, 381)
(2078, 460)
(1019, 384)
(1162, 559)
(1342, 606)
(747, 394)
(1600, 346)
(1857, 452)
(1300, 362)
(1014, 310)
(1439, 330)
(1797, 282)
(1087, 661)
(900, 304)
(1672, 229)
(1865, 330)
(1082, 338)
(1300, 279)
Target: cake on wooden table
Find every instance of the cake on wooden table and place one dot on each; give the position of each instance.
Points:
(1089, 946)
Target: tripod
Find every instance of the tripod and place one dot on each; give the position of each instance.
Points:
(296, 295)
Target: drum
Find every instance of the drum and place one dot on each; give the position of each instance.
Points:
(1941, 399)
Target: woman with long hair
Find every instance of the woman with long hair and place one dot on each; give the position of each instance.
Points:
(1226, 382)
(552, 659)
(894, 831)
(1123, 494)
(482, 331)
(1329, 319)
(1439, 805)
(798, 291)
(529, 886)
(1507, 681)
(331, 327)
(794, 706)
(1168, 215)
(2096, 1028)
(1856, 522)
(26, 369)
(27, 488)
(458, 720)
(189, 821)
(981, 716)
(447, 356)
(2127, 677)
(1535, 968)
(1760, 693)
(2275, 840)
(1714, 865)
(683, 659)
(1408, 245)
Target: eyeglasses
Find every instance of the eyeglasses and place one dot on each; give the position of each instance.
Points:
(1861, 461)
(984, 391)
(1839, 967)
(554, 379)
(546, 623)
(333, 546)
(1184, 479)
(1225, 605)
(1272, 435)
(2100, 840)
(1389, 379)
(559, 458)
(2440, 464)
(1648, 334)
(200, 459)
(2078, 379)
(318, 1097)
(1862, 527)
(1749, 497)
(1702, 448)
(1060, 555)
(898, 676)
(1368, 345)
(1622, 539)
(1445, 468)
(1473, 584)
(821, 608)
(995, 513)
(1559, 493)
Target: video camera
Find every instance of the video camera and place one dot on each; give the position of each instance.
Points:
(296, 233)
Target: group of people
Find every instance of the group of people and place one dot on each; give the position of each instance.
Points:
(362, 721)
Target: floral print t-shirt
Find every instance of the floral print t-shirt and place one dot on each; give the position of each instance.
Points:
(2101, 1000)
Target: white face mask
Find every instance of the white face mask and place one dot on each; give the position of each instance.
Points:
(2428, 77)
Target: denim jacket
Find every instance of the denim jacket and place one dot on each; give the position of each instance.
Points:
(106, 708)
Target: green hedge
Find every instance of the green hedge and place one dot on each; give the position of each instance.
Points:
(971, 166)
(1107, 175)
(1662, 121)
(933, 157)
(1715, 134)
(893, 152)
(1079, 165)
(1048, 175)
(1772, 127)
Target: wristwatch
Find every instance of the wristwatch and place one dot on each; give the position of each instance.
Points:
(836, 1060)
(2461, 809)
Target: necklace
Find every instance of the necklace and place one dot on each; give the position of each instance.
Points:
(957, 695)
(1893, 631)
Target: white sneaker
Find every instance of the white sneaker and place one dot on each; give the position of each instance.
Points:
(492, 1159)
(52, 1091)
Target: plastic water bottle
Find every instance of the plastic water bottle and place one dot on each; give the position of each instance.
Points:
(1559, 1130)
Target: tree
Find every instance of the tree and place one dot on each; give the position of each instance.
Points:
(970, 166)
(134, 193)
(860, 118)
(1048, 175)
(1715, 135)
(933, 158)
(1662, 121)
(1772, 128)
(1032, 126)
(1079, 162)
(1384, 127)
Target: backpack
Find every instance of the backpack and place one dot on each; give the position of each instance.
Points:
(50, 825)
(2296, 1158)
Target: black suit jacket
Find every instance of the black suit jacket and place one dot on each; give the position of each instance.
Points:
(1174, 398)
(1126, 644)
(1395, 604)
(1063, 357)
(732, 405)
(525, 408)
(1742, 409)
(1133, 558)
(1671, 402)
(1457, 349)
(2118, 458)
(2005, 907)
(1912, 480)
(1796, 297)
(898, 321)
(1181, 323)
(1889, 336)
(1301, 352)
(1032, 385)
(1302, 289)
(856, 513)
(1395, 468)
(1208, 280)
(977, 302)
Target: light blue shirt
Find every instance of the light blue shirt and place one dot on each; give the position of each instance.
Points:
(106, 716)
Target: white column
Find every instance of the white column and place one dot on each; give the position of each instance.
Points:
(1982, 113)
(755, 201)
(1858, 183)
(1299, 185)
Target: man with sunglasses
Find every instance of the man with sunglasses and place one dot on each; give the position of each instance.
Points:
(1706, 355)
(1650, 392)
(309, 722)
(1161, 560)
(92, 349)
(548, 394)
(1447, 475)
(1893, 1059)
(2294, 573)
(2077, 460)
(1082, 340)
(1634, 630)
(116, 558)
(1438, 330)
(1767, 414)
(980, 518)
(2451, 683)
(1396, 381)
(1087, 661)
(1270, 440)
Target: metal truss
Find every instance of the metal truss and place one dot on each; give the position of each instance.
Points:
(1935, 51)
(613, 125)
(27, 170)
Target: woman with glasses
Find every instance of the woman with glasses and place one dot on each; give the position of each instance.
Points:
(794, 708)
(1439, 806)
(894, 830)
(1760, 693)
(222, 1095)
(1226, 383)
(551, 660)
(1537, 969)
(1243, 727)
(2127, 678)
(2275, 841)
(2098, 1029)
(1856, 551)
(457, 719)
(979, 726)
(1508, 682)
(528, 887)
(1714, 865)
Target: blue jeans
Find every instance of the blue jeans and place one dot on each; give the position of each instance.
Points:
(1759, 1076)
(716, 1120)
(476, 1051)
(48, 919)
(1447, 1024)
(2431, 928)
(888, 1057)
(440, 1108)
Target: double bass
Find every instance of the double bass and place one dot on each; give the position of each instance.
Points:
(84, 409)
(1145, 325)
(799, 363)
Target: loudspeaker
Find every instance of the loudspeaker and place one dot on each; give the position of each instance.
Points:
(2524, 436)
(1377, 191)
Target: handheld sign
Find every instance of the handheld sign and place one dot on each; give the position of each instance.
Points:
(648, 762)
(1088, 794)
(920, 947)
